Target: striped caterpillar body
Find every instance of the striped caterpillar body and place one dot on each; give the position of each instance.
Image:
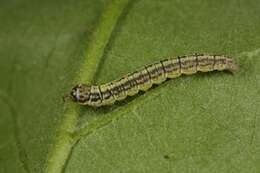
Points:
(143, 79)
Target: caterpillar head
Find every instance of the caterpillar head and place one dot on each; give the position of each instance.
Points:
(80, 93)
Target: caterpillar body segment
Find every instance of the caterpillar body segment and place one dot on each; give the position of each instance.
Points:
(143, 79)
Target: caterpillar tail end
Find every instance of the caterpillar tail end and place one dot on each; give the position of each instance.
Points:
(232, 66)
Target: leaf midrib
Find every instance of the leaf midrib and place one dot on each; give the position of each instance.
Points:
(63, 141)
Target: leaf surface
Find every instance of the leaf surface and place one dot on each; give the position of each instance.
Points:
(199, 123)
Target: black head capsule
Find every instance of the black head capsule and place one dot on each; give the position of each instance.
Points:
(81, 93)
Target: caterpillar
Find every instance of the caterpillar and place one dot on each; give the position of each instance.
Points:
(144, 78)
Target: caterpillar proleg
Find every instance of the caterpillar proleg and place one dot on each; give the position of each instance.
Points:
(144, 78)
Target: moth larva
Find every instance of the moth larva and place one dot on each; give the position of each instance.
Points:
(143, 79)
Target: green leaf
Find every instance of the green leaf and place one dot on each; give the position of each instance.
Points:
(200, 123)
